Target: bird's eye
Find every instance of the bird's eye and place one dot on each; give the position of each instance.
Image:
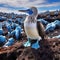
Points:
(29, 11)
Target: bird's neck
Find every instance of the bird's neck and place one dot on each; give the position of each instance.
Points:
(30, 19)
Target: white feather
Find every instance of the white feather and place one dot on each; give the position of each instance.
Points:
(31, 29)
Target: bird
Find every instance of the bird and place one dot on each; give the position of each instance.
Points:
(34, 29)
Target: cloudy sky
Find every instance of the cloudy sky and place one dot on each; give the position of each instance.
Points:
(15, 5)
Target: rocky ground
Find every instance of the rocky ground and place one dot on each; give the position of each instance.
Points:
(49, 50)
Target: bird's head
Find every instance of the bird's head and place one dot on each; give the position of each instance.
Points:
(31, 11)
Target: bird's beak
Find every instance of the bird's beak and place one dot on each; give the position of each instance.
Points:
(29, 11)
(22, 10)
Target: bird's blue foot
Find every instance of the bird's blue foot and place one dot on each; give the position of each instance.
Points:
(27, 44)
(35, 45)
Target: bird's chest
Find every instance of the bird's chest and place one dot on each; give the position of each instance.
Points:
(30, 26)
(31, 30)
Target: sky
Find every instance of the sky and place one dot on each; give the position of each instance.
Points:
(15, 5)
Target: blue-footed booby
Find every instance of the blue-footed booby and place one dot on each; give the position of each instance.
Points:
(33, 28)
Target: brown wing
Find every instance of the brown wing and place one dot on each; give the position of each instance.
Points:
(41, 28)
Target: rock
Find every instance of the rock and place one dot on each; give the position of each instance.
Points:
(57, 22)
(18, 20)
(17, 33)
(9, 28)
(43, 21)
(50, 27)
(13, 25)
(1, 31)
(57, 37)
(10, 42)
(2, 19)
(9, 21)
(5, 30)
(2, 40)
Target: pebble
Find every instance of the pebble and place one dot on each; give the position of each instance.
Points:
(9, 42)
